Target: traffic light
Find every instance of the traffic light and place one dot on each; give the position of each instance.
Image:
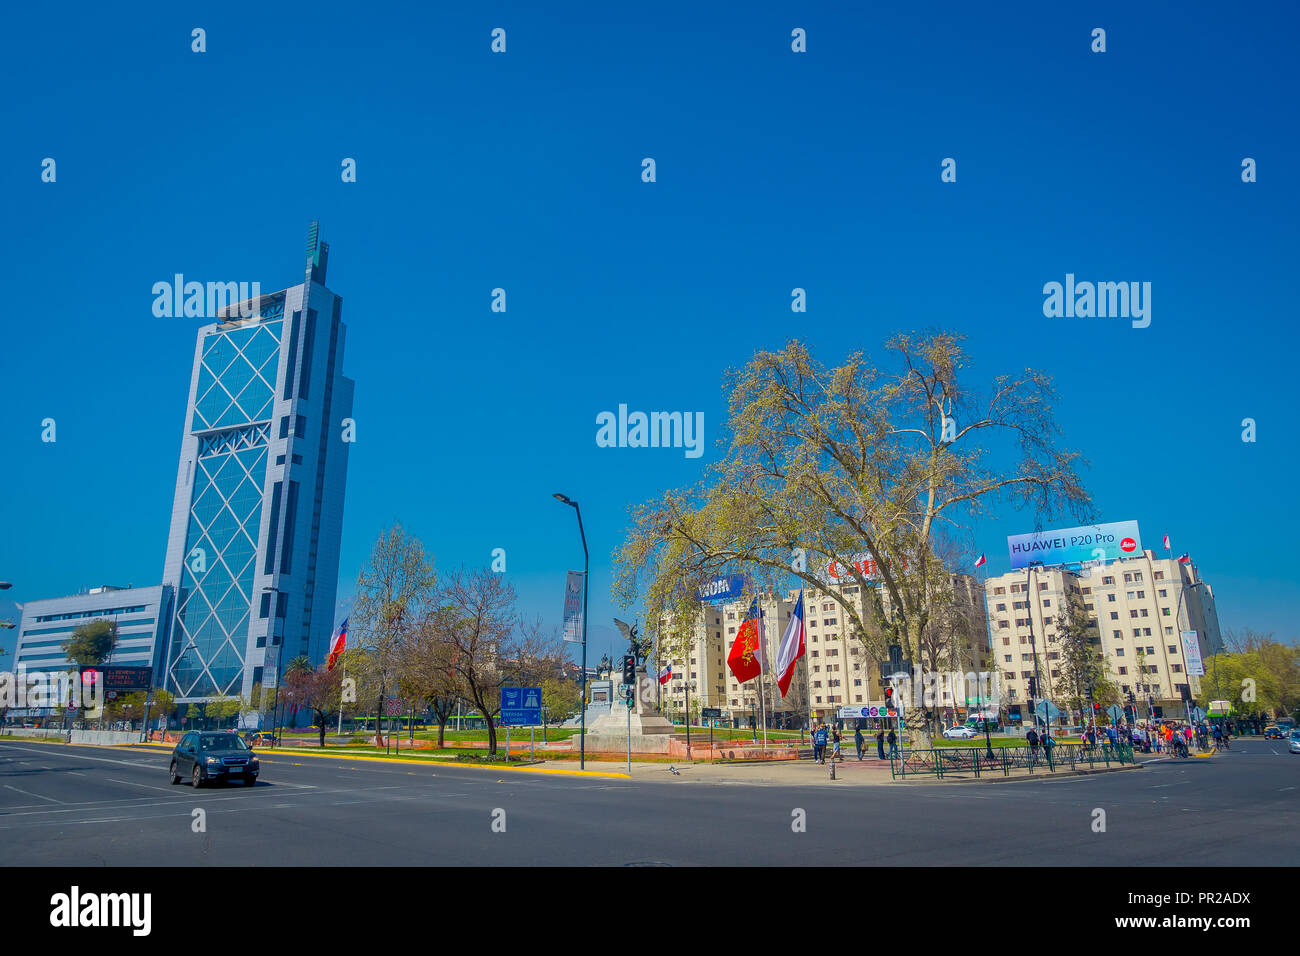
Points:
(629, 669)
(1031, 705)
(1096, 708)
(889, 700)
(1033, 687)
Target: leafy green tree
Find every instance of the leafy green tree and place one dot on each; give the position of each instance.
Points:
(92, 643)
(559, 700)
(489, 644)
(162, 705)
(394, 591)
(848, 461)
(224, 708)
(196, 715)
(316, 691)
(1262, 675)
(427, 670)
(1081, 663)
(300, 663)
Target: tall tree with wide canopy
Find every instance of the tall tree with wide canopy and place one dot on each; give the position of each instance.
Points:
(488, 644)
(394, 591)
(854, 461)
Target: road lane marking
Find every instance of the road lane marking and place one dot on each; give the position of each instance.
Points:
(132, 783)
(124, 763)
(30, 794)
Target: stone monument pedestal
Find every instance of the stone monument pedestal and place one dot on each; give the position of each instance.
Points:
(650, 730)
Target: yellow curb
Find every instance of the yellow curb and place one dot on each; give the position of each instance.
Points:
(430, 763)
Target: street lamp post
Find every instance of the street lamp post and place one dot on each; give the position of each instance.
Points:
(690, 686)
(586, 562)
(1030, 597)
(1182, 592)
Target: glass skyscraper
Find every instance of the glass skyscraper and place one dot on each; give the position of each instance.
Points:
(253, 550)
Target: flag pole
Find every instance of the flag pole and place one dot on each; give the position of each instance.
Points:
(762, 703)
(344, 680)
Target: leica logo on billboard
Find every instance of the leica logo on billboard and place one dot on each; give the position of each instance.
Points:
(1128, 544)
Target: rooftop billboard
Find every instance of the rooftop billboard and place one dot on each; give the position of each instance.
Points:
(1098, 542)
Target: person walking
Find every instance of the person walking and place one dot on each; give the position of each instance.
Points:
(893, 744)
(880, 744)
(1048, 743)
(858, 742)
(819, 745)
(1031, 738)
(835, 744)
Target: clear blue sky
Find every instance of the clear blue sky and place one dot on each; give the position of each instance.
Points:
(522, 170)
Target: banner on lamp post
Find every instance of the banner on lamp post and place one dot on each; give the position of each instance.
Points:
(1192, 654)
(573, 607)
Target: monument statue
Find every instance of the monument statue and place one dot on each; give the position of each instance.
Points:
(645, 716)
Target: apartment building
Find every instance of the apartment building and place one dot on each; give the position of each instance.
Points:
(1140, 605)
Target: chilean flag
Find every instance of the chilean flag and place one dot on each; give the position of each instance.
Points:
(980, 561)
(746, 656)
(337, 644)
(792, 648)
(666, 674)
(1184, 558)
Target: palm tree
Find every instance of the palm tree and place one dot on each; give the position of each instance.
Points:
(300, 663)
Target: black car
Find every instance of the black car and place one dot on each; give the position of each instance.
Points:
(204, 756)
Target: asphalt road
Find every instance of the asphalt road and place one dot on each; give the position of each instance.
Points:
(88, 806)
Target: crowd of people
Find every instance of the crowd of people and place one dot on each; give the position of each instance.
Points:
(826, 735)
(1167, 737)
(1179, 738)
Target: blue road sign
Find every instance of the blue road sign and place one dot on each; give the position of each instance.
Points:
(521, 705)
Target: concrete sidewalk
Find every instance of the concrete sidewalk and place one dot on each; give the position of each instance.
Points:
(784, 773)
(849, 773)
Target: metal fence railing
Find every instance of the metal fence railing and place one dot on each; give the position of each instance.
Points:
(945, 761)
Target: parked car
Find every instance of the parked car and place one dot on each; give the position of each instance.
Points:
(213, 755)
(959, 733)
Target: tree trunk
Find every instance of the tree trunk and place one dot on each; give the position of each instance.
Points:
(379, 725)
(492, 732)
(442, 729)
(321, 723)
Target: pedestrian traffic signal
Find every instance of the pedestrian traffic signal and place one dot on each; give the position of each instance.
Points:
(629, 669)
(889, 701)
(1096, 708)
